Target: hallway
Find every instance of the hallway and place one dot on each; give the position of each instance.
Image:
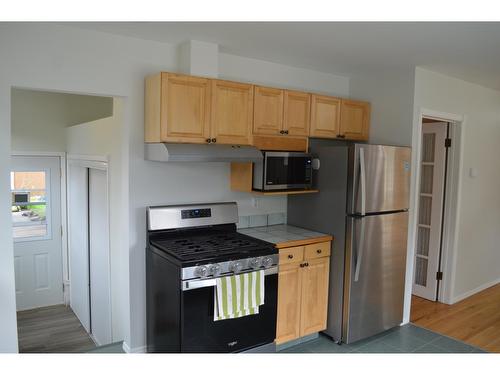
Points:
(474, 320)
(52, 329)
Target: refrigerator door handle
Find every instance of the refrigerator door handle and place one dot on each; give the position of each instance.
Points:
(359, 250)
(362, 177)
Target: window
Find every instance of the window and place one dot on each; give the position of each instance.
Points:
(29, 204)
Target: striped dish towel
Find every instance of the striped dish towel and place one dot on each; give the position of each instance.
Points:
(238, 295)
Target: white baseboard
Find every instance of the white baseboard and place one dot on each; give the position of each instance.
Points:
(474, 291)
(139, 349)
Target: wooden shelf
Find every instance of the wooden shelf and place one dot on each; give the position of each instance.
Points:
(284, 192)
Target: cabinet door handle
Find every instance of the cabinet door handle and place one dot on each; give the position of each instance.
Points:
(282, 132)
(318, 251)
(290, 256)
(286, 131)
(208, 140)
(307, 264)
(214, 140)
(301, 265)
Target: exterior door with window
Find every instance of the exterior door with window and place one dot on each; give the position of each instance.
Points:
(430, 209)
(36, 225)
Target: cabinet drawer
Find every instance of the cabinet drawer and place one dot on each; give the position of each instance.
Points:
(291, 255)
(317, 250)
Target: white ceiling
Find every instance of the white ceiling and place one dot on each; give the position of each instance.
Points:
(470, 51)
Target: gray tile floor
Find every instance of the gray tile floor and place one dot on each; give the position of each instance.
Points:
(405, 339)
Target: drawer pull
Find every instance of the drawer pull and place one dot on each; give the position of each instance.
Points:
(290, 256)
(318, 251)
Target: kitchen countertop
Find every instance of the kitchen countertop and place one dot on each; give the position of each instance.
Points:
(284, 235)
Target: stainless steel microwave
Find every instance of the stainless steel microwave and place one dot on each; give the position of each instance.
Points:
(283, 171)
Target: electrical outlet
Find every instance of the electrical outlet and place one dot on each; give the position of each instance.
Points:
(255, 202)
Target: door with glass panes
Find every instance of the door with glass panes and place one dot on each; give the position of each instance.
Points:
(36, 227)
(430, 209)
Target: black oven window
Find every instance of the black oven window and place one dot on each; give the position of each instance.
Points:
(287, 171)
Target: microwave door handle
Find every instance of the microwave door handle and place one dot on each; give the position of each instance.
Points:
(362, 178)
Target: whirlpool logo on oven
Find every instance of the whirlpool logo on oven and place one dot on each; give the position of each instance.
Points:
(232, 343)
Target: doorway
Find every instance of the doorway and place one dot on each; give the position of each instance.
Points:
(436, 142)
(45, 126)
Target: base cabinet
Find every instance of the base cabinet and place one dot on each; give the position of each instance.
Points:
(302, 291)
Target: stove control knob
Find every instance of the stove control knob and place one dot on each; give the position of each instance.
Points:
(267, 262)
(201, 271)
(256, 263)
(236, 267)
(214, 269)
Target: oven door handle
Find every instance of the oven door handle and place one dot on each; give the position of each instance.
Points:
(204, 283)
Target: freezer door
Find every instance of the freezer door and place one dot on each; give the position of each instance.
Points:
(374, 274)
(379, 178)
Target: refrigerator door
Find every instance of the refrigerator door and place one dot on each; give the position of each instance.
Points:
(379, 178)
(374, 274)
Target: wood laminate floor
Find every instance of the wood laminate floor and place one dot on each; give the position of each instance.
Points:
(52, 329)
(474, 320)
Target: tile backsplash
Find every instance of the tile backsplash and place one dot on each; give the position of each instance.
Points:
(251, 221)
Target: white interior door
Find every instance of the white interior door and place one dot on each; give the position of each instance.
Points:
(78, 243)
(430, 208)
(36, 216)
(100, 291)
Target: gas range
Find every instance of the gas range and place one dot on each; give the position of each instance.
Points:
(189, 248)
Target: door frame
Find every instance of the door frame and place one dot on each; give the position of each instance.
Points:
(100, 162)
(451, 215)
(64, 223)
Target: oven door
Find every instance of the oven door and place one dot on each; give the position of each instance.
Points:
(287, 170)
(201, 334)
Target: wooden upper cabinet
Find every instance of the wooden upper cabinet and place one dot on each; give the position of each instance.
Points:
(232, 112)
(268, 111)
(288, 316)
(184, 109)
(297, 113)
(314, 304)
(325, 116)
(355, 119)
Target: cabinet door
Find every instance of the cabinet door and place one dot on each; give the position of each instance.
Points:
(314, 301)
(325, 116)
(355, 120)
(232, 106)
(288, 319)
(268, 111)
(297, 113)
(185, 109)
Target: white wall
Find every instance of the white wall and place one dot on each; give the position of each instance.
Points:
(477, 253)
(105, 137)
(391, 98)
(81, 61)
(39, 118)
(245, 69)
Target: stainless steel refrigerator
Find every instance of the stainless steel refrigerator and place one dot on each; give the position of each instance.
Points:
(363, 202)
